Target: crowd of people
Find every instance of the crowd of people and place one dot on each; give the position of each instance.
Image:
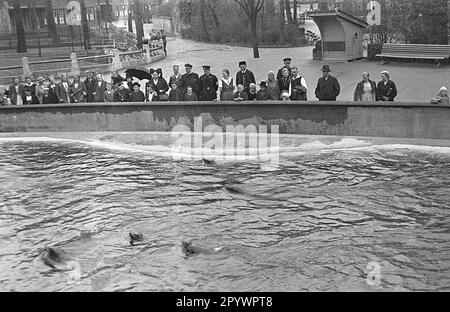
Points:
(286, 85)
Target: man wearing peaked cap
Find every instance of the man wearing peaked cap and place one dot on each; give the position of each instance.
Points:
(287, 64)
(328, 87)
(245, 77)
(189, 79)
(207, 85)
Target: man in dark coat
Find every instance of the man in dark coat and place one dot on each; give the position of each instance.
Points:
(208, 85)
(63, 90)
(386, 90)
(245, 77)
(287, 64)
(122, 95)
(52, 86)
(189, 79)
(100, 89)
(116, 79)
(16, 92)
(90, 86)
(328, 87)
(176, 77)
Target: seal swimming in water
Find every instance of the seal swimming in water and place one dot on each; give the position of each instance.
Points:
(190, 250)
(136, 237)
(54, 257)
(209, 162)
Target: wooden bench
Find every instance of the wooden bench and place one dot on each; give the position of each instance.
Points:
(416, 51)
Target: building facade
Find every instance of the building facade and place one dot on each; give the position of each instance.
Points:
(96, 10)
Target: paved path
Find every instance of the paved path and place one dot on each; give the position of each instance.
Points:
(415, 82)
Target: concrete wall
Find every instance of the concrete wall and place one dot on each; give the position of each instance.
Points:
(401, 120)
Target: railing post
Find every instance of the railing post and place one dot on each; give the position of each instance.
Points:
(116, 63)
(148, 57)
(75, 67)
(26, 68)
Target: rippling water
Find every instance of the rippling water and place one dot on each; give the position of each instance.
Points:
(314, 223)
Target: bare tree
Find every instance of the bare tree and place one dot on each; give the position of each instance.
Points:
(137, 7)
(211, 6)
(130, 16)
(282, 23)
(20, 30)
(205, 33)
(295, 11)
(52, 30)
(252, 9)
(287, 7)
(85, 25)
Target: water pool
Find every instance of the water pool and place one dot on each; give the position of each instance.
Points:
(315, 222)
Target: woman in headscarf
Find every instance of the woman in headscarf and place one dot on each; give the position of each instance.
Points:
(386, 89)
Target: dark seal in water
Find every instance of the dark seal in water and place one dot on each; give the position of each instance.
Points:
(136, 237)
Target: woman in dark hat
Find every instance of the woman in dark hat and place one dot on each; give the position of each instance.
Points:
(137, 95)
(328, 87)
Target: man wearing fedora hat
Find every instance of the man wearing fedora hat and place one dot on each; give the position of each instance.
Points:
(287, 64)
(207, 85)
(328, 87)
(245, 77)
(189, 79)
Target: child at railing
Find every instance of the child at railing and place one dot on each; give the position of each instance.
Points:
(150, 94)
(442, 97)
(109, 93)
(190, 95)
(176, 94)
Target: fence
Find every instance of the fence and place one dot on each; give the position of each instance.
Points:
(110, 62)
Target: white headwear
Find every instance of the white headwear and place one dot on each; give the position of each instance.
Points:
(285, 94)
(385, 72)
(443, 89)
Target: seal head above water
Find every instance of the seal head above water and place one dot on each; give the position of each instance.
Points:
(136, 237)
(54, 257)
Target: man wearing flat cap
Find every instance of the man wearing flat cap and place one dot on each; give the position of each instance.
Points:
(245, 77)
(189, 79)
(328, 87)
(207, 85)
(287, 64)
